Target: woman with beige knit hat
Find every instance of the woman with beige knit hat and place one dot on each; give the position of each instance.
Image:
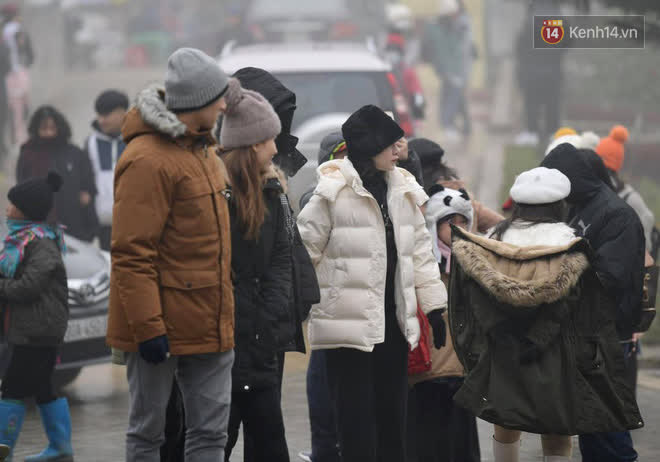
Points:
(261, 270)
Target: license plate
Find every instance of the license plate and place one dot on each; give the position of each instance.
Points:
(86, 328)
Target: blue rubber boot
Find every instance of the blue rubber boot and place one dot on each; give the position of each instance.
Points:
(12, 414)
(57, 423)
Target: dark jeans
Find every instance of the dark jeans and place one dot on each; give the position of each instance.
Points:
(30, 374)
(370, 391)
(452, 103)
(105, 237)
(173, 449)
(613, 446)
(261, 414)
(441, 430)
(322, 421)
(542, 102)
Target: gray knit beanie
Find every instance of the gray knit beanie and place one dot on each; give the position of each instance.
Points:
(249, 118)
(193, 80)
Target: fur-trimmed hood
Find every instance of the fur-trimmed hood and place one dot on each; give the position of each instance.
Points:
(149, 115)
(521, 276)
(524, 234)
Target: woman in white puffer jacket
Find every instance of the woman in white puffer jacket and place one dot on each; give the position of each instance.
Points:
(373, 257)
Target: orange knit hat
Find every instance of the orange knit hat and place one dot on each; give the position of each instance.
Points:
(611, 147)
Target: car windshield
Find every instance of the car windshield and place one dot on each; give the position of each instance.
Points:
(291, 9)
(342, 92)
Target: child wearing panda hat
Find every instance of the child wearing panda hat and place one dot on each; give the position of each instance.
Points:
(440, 426)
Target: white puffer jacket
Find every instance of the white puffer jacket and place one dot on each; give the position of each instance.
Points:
(343, 230)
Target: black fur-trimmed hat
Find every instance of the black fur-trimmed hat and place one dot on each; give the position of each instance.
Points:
(368, 131)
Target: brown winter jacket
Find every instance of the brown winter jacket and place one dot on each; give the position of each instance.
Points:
(171, 242)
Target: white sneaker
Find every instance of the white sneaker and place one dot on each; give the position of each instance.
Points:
(305, 455)
(527, 139)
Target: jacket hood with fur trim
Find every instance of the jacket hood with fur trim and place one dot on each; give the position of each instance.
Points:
(521, 276)
(150, 115)
(336, 174)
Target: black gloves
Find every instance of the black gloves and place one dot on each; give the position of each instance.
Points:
(155, 350)
(437, 322)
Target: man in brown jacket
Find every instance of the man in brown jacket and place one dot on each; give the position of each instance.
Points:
(171, 299)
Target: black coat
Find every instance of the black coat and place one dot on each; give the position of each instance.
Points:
(536, 334)
(37, 297)
(38, 157)
(305, 290)
(261, 272)
(613, 230)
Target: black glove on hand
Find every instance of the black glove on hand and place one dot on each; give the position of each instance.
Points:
(437, 322)
(155, 350)
(529, 351)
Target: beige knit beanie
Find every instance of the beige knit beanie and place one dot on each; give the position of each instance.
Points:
(249, 118)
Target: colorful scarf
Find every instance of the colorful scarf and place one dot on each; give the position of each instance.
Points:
(21, 233)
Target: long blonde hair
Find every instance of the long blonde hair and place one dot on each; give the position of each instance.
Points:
(247, 189)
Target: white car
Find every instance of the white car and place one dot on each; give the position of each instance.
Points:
(331, 81)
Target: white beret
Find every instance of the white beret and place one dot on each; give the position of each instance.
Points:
(540, 185)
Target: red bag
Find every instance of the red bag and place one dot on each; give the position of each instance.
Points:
(419, 359)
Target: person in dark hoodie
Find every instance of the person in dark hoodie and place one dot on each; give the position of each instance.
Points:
(322, 419)
(616, 235)
(104, 147)
(49, 148)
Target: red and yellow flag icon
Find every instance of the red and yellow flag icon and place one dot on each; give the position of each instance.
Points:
(552, 31)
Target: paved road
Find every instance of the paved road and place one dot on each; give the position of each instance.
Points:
(98, 398)
(99, 406)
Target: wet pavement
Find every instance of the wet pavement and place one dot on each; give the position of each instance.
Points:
(99, 397)
(99, 409)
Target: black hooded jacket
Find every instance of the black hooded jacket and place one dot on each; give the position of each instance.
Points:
(304, 290)
(612, 228)
(283, 100)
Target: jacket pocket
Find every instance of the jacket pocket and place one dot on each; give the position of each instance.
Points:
(191, 301)
(193, 212)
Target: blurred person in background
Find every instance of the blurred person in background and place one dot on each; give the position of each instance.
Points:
(104, 147)
(611, 149)
(401, 22)
(450, 49)
(5, 68)
(539, 75)
(48, 148)
(17, 80)
(409, 160)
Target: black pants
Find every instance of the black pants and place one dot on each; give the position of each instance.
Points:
(105, 237)
(542, 100)
(442, 431)
(30, 374)
(370, 392)
(248, 439)
(261, 414)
